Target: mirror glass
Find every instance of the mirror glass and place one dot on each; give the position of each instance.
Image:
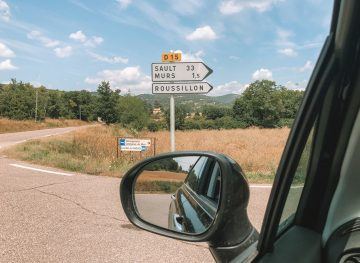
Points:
(180, 193)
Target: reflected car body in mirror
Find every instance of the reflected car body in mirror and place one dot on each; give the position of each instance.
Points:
(180, 194)
(195, 203)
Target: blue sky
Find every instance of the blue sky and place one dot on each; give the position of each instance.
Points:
(74, 44)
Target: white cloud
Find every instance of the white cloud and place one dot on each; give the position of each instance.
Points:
(290, 52)
(4, 11)
(111, 60)
(78, 36)
(229, 7)
(7, 65)
(202, 33)
(127, 79)
(230, 87)
(186, 7)
(191, 57)
(94, 41)
(261, 74)
(124, 3)
(63, 52)
(283, 38)
(296, 85)
(5, 51)
(47, 42)
(308, 66)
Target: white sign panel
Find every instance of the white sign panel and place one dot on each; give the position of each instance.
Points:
(131, 148)
(180, 71)
(181, 88)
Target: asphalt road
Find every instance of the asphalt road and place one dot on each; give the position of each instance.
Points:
(48, 215)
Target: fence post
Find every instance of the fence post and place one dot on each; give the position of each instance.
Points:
(117, 147)
(154, 146)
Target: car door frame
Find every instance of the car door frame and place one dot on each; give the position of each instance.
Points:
(326, 88)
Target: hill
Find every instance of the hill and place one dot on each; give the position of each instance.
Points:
(193, 100)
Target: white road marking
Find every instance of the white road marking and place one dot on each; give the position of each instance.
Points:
(39, 170)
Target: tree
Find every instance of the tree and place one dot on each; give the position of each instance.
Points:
(107, 103)
(132, 112)
(260, 104)
(181, 112)
(213, 112)
(17, 100)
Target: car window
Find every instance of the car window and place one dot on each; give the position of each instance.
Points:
(297, 185)
(193, 178)
(213, 187)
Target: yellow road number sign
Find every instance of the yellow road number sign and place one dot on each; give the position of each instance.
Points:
(170, 57)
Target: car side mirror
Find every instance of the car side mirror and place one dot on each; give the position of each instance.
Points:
(191, 196)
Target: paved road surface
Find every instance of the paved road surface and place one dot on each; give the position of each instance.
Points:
(65, 217)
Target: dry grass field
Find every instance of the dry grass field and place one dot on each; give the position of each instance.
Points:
(93, 150)
(7, 125)
(256, 150)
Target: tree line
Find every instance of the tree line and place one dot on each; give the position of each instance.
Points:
(263, 104)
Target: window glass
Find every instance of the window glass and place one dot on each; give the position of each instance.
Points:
(296, 188)
(213, 189)
(193, 178)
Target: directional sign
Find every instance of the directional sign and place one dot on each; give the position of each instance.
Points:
(181, 88)
(180, 71)
(135, 145)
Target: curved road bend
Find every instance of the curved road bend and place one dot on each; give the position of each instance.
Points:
(49, 215)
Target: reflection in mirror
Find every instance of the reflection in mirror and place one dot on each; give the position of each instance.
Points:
(180, 193)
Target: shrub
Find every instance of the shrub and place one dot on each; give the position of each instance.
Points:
(153, 126)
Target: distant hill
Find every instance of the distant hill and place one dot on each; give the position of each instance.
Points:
(193, 100)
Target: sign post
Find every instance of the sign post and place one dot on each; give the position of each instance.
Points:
(174, 77)
(172, 123)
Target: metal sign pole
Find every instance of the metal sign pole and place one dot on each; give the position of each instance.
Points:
(172, 123)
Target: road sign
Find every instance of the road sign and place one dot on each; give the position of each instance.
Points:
(171, 57)
(180, 71)
(181, 88)
(134, 145)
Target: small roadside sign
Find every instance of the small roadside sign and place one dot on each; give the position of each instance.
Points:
(181, 71)
(181, 88)
(171, 57)
(135, 145)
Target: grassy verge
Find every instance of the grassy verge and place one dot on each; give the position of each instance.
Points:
(157, 186)
(93, 150)
(7, 125)
(90, 151)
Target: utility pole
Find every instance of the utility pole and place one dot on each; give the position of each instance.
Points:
(172, 123)
(36, 104)
(80, 111)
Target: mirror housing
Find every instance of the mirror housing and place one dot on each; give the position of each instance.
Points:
(231, 226)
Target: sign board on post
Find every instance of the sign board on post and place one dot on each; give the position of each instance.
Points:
(134, 145)
(171, 57)
(180, 71)
(183, 88)
(178, 78)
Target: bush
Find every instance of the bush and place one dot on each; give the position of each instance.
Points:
(284, 122)
(153, 126)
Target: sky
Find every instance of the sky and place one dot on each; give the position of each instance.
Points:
(75, 44)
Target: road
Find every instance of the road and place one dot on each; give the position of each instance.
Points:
(48, 215)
